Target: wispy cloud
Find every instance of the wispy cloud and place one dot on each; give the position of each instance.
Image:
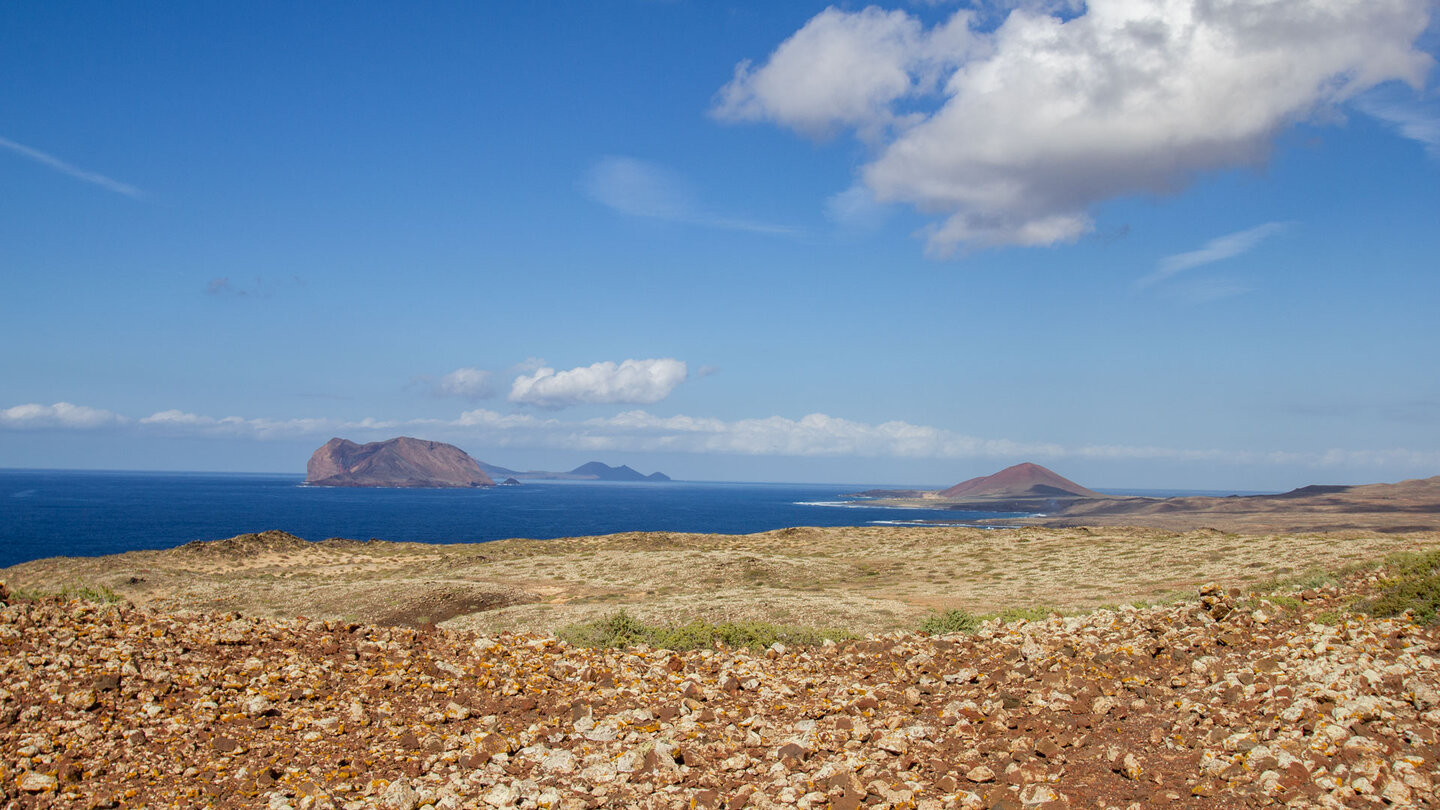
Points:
(1418, 121)
(1217, 249)
(177, 422)
(1205, 290)
(258, 288)
(855, 209)
(74, 171)
(466, 383)
(814, 435)
(639, 188)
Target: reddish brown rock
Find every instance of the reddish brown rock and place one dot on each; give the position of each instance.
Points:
(1020, 481)
(399, 462)
(1293, 711)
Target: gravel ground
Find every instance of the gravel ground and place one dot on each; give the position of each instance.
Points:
(1217, 702)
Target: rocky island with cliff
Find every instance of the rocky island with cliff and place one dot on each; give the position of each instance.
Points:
(399, 462)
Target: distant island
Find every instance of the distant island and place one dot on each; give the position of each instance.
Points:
(590, 471)
(1055, 502)
(409, 462)
(1022, 488)
(398, 462)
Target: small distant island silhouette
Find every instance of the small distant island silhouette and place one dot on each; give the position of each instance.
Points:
(589, 471)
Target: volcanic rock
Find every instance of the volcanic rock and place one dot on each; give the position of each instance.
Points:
(399, 462)
(1406, 506)
(1020, 481)
(1330, 721)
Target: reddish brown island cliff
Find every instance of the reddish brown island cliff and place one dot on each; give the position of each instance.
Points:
(399, 462)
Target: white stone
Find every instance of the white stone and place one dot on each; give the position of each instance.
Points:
(256, 706)
(558, 761)
(501, 795)
(36, 782)
(399, 795)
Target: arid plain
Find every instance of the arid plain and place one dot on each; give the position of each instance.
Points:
(863, 579)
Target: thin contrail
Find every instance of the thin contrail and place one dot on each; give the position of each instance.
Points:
(79, 174)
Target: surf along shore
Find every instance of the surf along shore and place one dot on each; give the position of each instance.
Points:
(431, 675)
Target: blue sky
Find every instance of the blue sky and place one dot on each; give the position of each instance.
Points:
(1162, 244)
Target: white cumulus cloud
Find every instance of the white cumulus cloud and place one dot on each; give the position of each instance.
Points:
(58, 415)
(633, 381)
(845, 69)
(1011, 136)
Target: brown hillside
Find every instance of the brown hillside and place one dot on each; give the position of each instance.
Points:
(1021, 480)
(1407, 506)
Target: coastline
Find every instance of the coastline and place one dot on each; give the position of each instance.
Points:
(1407, 506)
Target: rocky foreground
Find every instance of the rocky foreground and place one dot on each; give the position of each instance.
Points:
(1214, 703)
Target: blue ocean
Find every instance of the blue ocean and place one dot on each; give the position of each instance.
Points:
(47, 513)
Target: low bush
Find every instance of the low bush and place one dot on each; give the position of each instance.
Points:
(1303, 581)
(1411, 582)
(85, 593)
(951, 621)
(620, 629)
(1029, 614)
(960, 621)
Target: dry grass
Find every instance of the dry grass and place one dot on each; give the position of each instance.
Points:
(864, 579)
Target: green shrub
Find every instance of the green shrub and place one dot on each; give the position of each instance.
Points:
(1412, 582)
(1413, 563)
(1030, 614)
(951, 621)
(1315, 580)
(620, 629)
(1285, 602)
(615, 630)
(85, 593)
(1303, 581)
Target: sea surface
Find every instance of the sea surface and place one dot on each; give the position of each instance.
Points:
(47, 513)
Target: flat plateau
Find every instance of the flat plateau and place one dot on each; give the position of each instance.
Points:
(863, 579)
